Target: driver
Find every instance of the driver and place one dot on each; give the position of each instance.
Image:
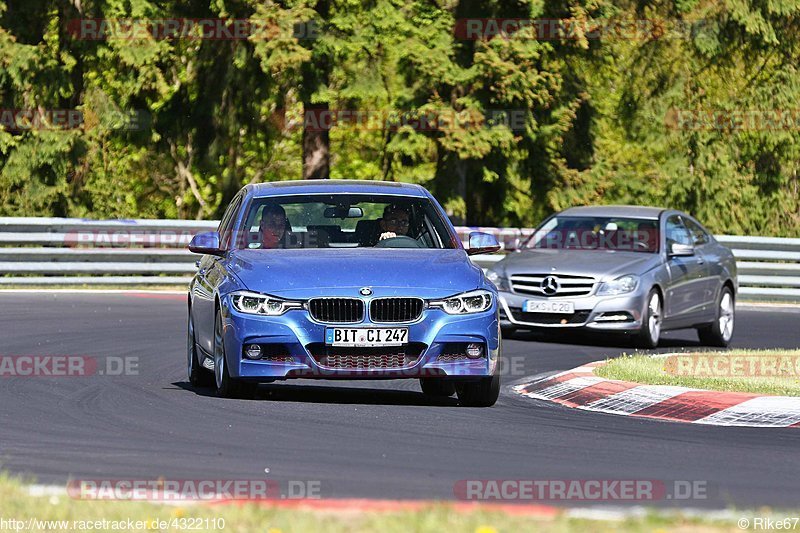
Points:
(395, 222)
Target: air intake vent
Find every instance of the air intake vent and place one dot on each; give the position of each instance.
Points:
(366, 358)
(394, 310)
(578, 317)
(336, 310)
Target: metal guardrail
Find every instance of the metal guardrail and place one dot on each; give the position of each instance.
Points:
(61, 251)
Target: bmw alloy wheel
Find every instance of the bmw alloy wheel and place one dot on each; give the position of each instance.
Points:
(198, 376)
(219, 352)
(190, 353)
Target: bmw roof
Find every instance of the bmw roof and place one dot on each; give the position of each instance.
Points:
(334, 186)
(633, 211)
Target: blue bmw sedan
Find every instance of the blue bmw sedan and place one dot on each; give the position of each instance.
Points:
(340, 279)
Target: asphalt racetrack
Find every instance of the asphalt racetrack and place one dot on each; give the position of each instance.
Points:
(367, 439)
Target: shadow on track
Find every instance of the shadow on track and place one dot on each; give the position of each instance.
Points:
(587, 339)
(333, 395)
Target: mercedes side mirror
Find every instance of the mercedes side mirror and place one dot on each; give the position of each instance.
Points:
(513, 245)
(681, 250)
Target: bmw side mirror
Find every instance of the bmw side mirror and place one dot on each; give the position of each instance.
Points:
(482, 243)
(681, 250)
(206, 243)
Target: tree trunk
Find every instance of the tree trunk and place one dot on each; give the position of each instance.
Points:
(316, 116)
(461, 188)
(316, 143)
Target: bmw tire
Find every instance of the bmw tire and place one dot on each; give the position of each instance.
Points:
(437, 387)
(198, 376)
(483, 393)
(226, 386)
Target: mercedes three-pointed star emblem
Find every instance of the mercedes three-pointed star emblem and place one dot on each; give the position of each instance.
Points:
(550, 285)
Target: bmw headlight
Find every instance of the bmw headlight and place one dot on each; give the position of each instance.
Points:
(254, 303)
(468, 302)
(621, 285)
(499, 280)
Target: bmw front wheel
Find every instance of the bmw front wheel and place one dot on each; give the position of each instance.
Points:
(198, 376)
(483, 393)
(227, 387)
(508, 332)
(437, 387)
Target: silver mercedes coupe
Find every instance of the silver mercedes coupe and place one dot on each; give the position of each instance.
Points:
(625, 269)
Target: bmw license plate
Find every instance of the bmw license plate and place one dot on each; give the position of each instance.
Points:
(366, 337)
(539, 306)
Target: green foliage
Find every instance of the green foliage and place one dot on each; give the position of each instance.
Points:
(515, 126)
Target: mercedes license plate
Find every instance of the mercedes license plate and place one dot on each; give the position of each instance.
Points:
(540, 306)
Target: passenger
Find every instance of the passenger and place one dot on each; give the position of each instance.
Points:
(273, 227)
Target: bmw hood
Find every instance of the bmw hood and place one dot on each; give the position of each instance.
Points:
(306, 273)
(601, 264)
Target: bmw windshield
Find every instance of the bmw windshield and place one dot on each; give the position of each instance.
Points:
(596, 233)
(343, 221)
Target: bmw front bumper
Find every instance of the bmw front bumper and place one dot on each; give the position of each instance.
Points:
(298, 340)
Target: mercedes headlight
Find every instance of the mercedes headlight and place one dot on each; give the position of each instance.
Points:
(621, 285)
(500, 281)
(254, 303)
(468, 302)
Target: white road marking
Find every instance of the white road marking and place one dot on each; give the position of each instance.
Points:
(764, 411)
(633, 400)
